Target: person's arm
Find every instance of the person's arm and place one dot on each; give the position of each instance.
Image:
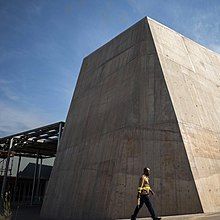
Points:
(141, 183)
(152, 192)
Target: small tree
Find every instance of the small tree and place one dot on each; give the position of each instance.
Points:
(6, 210)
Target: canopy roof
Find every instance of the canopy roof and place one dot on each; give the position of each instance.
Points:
(40, 141)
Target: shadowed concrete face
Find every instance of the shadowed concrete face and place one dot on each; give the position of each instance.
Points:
(139, 102)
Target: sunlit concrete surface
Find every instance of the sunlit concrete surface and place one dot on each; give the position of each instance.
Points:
(149, 97)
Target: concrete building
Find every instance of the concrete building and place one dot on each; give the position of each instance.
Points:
(149, 97)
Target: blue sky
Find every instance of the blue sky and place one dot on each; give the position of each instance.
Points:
(42, 44)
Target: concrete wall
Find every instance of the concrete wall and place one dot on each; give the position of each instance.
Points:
(192, 74)
(123, 117)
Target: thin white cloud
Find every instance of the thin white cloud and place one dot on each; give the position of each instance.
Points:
(16, 115)
(14, 119)
(5, 90)
(34, 8)
(139, 6)
(201, 24)
(9, 54)
(206, 31)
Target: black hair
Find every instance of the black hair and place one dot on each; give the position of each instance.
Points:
(145, 169)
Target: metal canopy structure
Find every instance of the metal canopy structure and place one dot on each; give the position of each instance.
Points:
(39, 143)
(42, 141)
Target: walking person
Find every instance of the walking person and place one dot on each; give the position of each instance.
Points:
(143, 195)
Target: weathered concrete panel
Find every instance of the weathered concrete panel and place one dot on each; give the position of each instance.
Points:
(127, 113)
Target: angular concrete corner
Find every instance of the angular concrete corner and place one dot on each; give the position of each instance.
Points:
(192, 75)
(149, 97)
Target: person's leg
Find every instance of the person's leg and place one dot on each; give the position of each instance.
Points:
(150, 207)
(138, 207)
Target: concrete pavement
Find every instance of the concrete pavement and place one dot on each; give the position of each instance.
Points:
(209, 216)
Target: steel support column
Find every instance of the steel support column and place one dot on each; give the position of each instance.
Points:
(16, 180)
(34, 180)
(38, 180)
(59, 135)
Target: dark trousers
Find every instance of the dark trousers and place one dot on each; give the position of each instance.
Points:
(144, 199)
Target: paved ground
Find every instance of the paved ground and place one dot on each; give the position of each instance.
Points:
(211, 216)
(32, 213)
(27, 213)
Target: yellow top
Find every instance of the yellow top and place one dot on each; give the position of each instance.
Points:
(144, 186)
